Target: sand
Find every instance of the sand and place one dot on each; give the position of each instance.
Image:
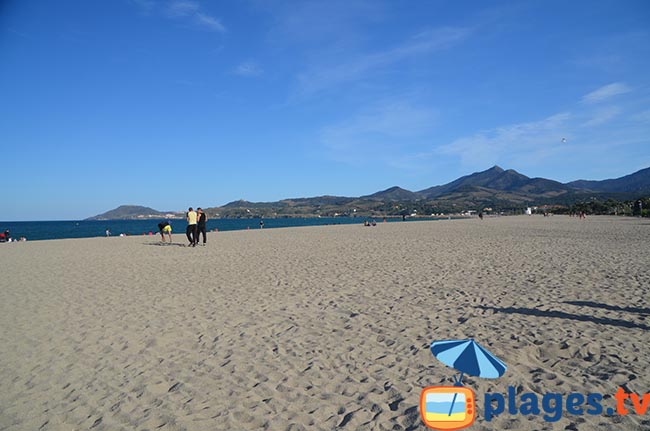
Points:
(321, 327)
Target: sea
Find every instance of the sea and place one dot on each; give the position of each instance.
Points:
(43, 230)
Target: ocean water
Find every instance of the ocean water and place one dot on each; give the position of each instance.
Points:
(39, 230)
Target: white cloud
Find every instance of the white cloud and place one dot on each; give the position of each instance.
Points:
(603, 116)
(145, 6)
(642, 117)
(209, 23)
(189, 11)
(309, 23)
(19, 33)
(403, 135)
(248, 69)
(382, 133)
(605, 92)
(490, 146)
(181, 8)
(324, 76)
(540, 142)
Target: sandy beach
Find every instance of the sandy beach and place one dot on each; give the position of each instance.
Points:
(321, 328)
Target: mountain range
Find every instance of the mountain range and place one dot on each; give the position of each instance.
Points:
(129, 212)
(495, 187)
(498, 180)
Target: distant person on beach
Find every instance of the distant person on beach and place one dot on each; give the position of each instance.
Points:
(108, 232)
(191, 230)
(261, 224)
(200, 225)
(165, 228)
(480, 215)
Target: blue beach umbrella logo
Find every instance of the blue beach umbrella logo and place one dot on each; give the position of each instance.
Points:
(453, 407)
(468, 357)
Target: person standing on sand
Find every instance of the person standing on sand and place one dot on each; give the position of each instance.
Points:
(191, 231)
(203, 217)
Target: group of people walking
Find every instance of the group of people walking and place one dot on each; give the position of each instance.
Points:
(196, 221)
(195, 225)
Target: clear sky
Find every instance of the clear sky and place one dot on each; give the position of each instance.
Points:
(172, 103)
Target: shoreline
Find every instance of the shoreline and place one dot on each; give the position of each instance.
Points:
(221, 225)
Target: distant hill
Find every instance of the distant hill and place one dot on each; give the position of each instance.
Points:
(638, 182)
(497, 179)
(542, 186)
(296, 207)
(394, 194)
(293, 202)
(245, 204)
(495, 188)
(318, 201)
(132, 212)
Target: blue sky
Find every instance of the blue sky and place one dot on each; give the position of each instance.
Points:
(175, 103)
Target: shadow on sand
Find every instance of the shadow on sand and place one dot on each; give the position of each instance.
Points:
(165, 244)
(568, 316)
(609, 307)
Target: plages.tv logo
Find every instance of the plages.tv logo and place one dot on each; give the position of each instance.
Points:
(454, 407)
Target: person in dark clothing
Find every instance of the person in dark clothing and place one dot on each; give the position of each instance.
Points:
(202, 219)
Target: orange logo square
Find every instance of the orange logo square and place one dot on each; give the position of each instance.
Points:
(447, 407)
